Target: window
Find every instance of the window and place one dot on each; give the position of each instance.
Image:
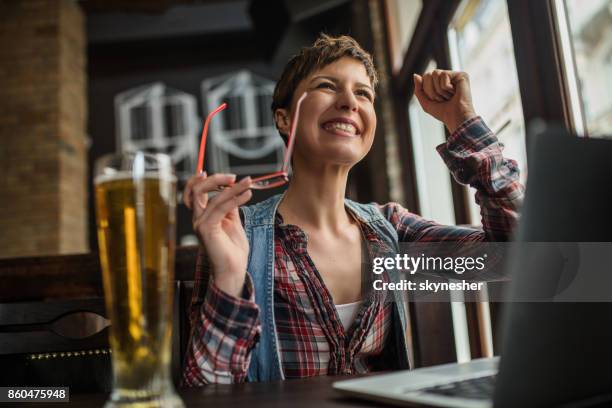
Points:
(432, 176)
(586, 38)
(402, 17)
(435, 197)
(243, 137)
(480, 42)
(157, 118)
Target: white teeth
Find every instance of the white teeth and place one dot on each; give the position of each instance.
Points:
(347, 127)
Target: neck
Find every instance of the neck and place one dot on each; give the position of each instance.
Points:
(315, 199)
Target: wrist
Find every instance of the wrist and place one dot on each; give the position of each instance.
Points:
(456, 120)
(230, 283)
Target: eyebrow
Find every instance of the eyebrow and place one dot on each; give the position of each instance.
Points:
(333, 79)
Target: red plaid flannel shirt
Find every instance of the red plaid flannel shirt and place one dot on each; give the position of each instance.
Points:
(312, 340)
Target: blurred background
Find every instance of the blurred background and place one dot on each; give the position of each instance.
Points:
(85, 78)
(81, 79)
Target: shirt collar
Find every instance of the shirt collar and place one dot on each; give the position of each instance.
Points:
(297, 239)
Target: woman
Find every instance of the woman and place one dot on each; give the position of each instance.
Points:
(285, 297)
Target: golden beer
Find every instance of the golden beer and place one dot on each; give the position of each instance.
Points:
(136, 234)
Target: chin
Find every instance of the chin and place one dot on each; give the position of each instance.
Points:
(350, 152)
(342, 156)
(338, 150)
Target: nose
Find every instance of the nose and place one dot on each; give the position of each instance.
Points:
(347, 101)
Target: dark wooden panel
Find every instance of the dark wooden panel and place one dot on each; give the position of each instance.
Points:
(68, 276)
(47, 311)
(50, 277)
(538, 61)
(474, 330)
(134, 57)
(140, 6)
(433, 338)
(48, 342)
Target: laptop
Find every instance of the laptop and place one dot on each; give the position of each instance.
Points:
(553, 354)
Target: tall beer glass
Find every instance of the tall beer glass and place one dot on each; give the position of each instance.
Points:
(135, 211)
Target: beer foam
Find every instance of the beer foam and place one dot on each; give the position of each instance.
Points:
(127, 175)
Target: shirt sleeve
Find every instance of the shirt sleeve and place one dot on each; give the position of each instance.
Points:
(225, 329)
(473, 154)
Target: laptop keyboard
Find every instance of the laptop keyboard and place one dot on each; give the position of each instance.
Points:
(474, 388)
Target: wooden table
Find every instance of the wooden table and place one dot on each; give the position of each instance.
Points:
(313, 392)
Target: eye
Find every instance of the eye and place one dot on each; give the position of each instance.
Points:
(325, 85)
(364, 93)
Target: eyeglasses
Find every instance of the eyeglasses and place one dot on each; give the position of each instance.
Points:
(271, 180)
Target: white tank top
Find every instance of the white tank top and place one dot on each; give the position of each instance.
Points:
(347, 313)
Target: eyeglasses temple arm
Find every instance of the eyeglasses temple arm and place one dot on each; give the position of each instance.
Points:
(291, 140)
(205, 134)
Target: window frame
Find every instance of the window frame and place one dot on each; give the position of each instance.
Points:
(539, 60)
(428, 320)
(545, 95)
(536, 37)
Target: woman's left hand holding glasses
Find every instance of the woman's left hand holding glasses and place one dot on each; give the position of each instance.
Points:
(216, 222)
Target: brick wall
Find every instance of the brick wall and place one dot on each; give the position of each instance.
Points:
(43, 116)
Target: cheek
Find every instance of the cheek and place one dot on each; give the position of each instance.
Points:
(370, 121)
(316, 103)
(309, 114)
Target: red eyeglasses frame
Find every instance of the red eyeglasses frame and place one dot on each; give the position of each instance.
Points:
(271, 180)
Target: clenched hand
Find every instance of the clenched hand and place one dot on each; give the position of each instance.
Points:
(446, 96)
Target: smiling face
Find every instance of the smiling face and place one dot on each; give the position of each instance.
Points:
(337, 118)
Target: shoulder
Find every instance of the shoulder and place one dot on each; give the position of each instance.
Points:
(375, 216)
(397, 214)
(373, 211)
(262, 212)
(368, 212)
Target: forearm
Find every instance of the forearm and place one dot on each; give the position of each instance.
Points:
(224, 332)
(474, 156)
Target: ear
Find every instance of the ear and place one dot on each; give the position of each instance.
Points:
(283, 123)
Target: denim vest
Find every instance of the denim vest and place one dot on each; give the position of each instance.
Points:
(259, 227)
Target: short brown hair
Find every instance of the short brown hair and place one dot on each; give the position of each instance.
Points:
(325, 50)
